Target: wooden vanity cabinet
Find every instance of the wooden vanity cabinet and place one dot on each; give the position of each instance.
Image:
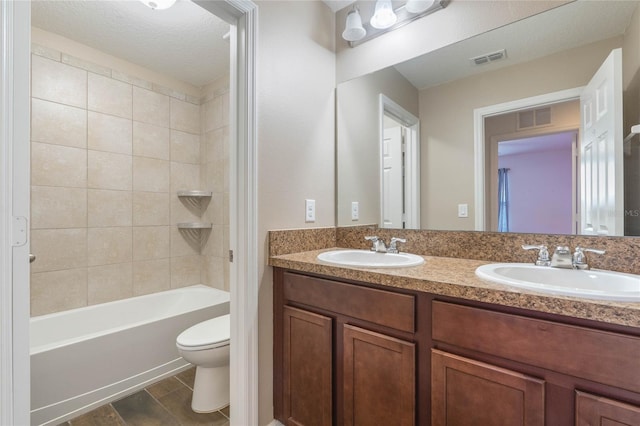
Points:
(496, 368)
(343, 354)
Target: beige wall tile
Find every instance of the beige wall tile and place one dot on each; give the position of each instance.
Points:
(57, 82)
(109, 245)
(214, 175)
(110, 96)
(55, 165)
(151, 276)
(185, 271)
(212, 246)
(185, 147)
(213, 272)
(151, 242)
(58, 207)
(58, 249)
(184, 210)
(109, 208)
(151, 208)
(110, 282)
(58, 291)
(151, 141)
(184, 176)
(109, 171)
(58, 124)
(186, 242)
(150, 174)
(213, 114)
(214, 140)
(185, 116)
(109, 133)
(150, 107)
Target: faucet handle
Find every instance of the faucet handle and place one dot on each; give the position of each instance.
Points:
(393, 245)
(374, 241)
(580, 259)
(543, 254)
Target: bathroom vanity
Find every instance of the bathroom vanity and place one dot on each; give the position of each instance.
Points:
(435, 345)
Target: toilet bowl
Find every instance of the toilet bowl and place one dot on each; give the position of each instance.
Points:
(206, 345)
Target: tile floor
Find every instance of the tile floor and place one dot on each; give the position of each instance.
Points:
(167, 402)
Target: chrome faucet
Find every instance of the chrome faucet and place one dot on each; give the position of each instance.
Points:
(562, 258)
(377, 244)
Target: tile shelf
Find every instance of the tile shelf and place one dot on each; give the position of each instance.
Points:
(194, 225)
(195, 193)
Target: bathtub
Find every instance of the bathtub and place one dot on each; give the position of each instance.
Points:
(87, 357)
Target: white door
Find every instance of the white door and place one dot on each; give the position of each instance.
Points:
(392, 179)
(601, 203)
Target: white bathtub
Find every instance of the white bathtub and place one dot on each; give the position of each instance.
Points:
(87, 357)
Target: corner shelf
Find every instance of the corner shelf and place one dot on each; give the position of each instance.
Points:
(194, 225)
(195, 193)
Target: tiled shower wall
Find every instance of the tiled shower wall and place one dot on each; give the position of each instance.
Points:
(108, 154)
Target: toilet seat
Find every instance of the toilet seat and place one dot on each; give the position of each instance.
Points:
(209, 334)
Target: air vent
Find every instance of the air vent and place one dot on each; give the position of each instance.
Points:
(534, 118)
(489, 57)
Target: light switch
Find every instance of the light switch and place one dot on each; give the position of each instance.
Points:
(463, 210)
(310, 210)
(355, 210)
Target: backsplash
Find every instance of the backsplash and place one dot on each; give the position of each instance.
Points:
(623, 253)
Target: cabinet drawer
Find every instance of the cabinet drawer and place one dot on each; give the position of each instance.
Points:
(601, 356)
(381, 307)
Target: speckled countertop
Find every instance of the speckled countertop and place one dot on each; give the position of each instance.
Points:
(456, 278)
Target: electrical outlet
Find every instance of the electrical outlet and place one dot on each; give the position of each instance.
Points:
(310, 210)
(355, 210)
(463, 210)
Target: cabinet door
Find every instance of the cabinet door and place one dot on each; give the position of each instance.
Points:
(307, 368)
(379, 379)
(468, 392)
(594, 410)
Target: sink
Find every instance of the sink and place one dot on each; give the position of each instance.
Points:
(370, 259)
(590, 284)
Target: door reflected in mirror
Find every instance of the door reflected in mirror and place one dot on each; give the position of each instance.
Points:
(445, 92)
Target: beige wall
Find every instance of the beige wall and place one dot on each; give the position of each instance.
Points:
(358, 150)
(458, 21)
(109, 153)
(446, 119)
(296, 66)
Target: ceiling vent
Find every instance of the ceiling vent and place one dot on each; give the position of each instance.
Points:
(489, 57)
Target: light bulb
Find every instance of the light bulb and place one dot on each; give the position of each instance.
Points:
(384, 17)
(418, 6)
(354, 30)
(158, 4)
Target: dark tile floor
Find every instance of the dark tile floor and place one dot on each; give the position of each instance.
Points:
(167, 402)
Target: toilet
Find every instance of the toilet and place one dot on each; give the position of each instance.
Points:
(206, 345)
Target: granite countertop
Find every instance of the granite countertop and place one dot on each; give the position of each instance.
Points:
(456, 278)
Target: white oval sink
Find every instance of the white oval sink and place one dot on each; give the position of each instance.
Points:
(370, 259)
(590, 284)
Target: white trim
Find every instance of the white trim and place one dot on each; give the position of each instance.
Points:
(479, 114)
(14, 203)
(412, 165)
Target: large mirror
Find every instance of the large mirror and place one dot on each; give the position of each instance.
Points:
(503, 105)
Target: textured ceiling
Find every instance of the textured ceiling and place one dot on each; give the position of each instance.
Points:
(184, 42)
(565, 27)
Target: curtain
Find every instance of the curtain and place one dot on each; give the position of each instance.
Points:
(503, 200)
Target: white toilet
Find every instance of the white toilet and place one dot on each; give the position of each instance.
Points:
(207, 346)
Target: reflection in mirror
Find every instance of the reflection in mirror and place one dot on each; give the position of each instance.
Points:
(444, 89)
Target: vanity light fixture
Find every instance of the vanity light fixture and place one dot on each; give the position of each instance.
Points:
(385, 18)
(354, 30)
(158, 4)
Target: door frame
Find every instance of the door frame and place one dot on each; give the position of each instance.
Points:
(479, 115)
(411, 166)
(15, 17)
